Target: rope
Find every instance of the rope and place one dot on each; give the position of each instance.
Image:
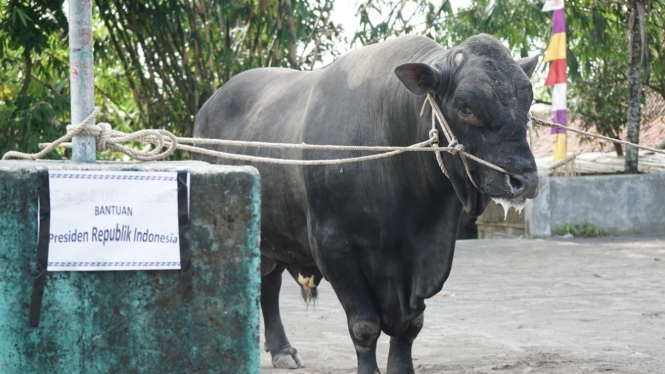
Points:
(529, 126)
(166, 143)
(618, 141)
(457, 148)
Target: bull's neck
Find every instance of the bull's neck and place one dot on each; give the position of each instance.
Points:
(403, 125)
(415, 129)
(418, 130)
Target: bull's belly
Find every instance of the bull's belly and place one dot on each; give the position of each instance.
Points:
(284, 236)
(282, 248)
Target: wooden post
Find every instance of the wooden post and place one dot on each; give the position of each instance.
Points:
(81, 75)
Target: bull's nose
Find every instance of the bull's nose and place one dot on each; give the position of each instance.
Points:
(523, 185)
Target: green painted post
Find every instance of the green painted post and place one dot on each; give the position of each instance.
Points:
(136, 321)
(81, 75)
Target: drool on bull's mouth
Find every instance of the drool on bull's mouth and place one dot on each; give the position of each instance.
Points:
(517, 203)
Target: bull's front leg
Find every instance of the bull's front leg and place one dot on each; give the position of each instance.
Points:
(346, 278)
(399, 357)
(283, 355)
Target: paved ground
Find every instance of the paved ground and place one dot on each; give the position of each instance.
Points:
(515, 306)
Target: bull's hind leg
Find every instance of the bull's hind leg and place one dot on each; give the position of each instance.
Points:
(283, 355)
(399, 357)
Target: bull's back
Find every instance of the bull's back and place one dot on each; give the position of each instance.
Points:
(266, 105)
(355, 101)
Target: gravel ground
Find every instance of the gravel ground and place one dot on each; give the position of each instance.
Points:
(514, 306)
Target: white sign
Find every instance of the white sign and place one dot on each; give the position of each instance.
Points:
(113, 220)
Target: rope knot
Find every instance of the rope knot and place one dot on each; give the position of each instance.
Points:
(103, 136)
(455, 147)
(434, 135)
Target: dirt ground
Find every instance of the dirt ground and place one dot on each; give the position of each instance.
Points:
(514, 306)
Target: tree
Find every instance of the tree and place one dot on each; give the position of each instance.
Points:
(176, 53)
(599, 89)
(637, 16)
(33, 101)
(603, 102)
(156, 61)
(655, 33)
(598, 57)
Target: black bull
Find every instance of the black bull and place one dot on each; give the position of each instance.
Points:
(381, 232)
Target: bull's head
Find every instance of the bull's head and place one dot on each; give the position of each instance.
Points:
(485, 96)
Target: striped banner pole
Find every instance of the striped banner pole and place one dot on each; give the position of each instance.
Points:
(556, 52)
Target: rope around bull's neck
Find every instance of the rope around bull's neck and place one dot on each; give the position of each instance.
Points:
(166, 143)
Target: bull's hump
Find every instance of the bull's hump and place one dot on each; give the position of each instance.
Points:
(408, 46)
(262, 77)
(378, 61)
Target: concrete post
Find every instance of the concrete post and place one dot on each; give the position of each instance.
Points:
(537, 212)
(81, 75)
(136, 321)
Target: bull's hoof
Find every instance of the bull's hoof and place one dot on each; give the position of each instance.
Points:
(287, 358)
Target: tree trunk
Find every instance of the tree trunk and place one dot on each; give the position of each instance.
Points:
(634, 91)
(618, 149)
(28, 72)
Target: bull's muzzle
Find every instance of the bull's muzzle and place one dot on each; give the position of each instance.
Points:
(523, 186)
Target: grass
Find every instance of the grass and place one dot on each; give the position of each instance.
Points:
(587, 230)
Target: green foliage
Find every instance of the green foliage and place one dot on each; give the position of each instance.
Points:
(33, 101)
(29, 120)
(600, 88)
(656, 37)
(28, 24)
(597, 55)
(590, 230)
(587, 230)
(568, 228)
(157, 61)
(382, 19)
(174, 54)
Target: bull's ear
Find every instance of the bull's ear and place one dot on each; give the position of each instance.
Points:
(418, 78)
(528, 64)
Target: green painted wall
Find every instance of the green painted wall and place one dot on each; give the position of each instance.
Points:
(135, 322)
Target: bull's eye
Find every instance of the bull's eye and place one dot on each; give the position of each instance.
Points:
(465, 111)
